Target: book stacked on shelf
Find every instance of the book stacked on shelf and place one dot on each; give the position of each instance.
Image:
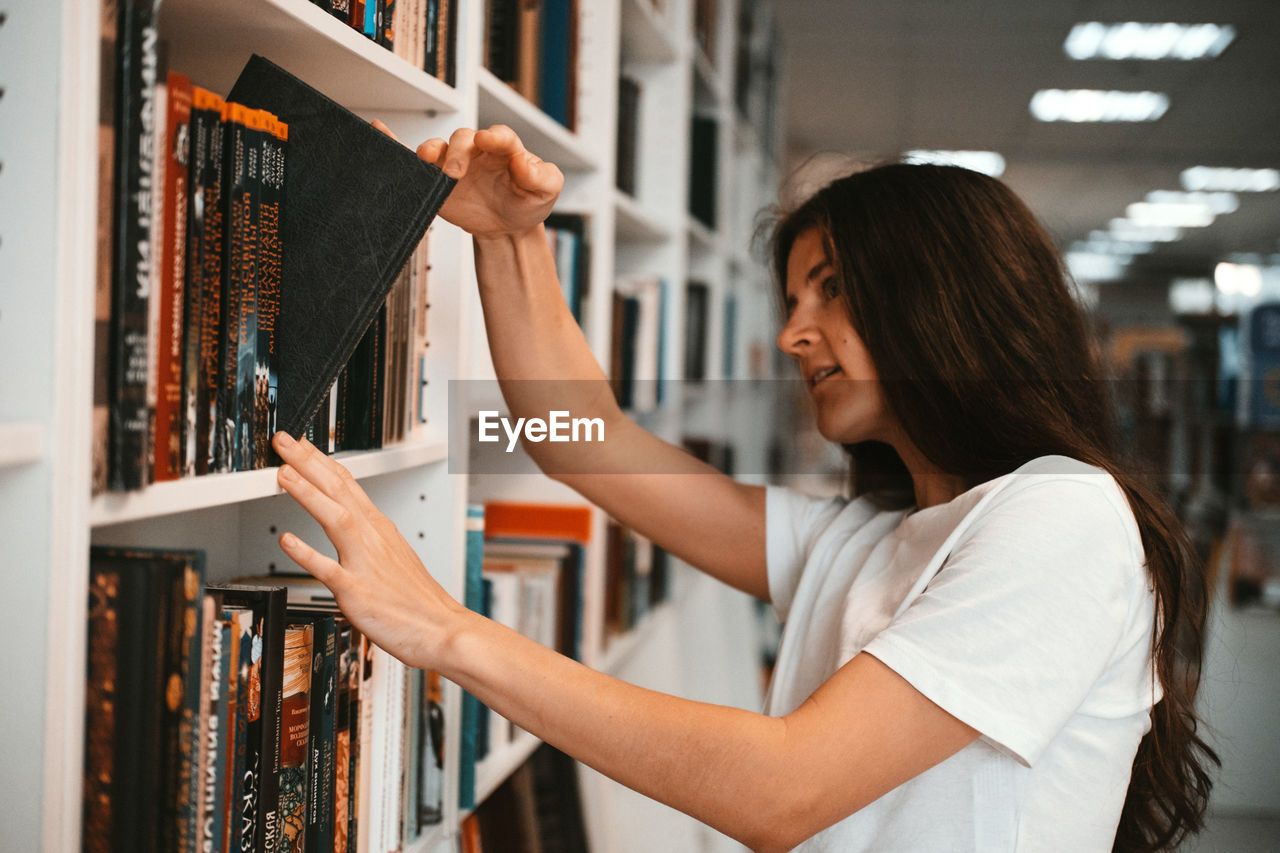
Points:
(638, 343)
(703, 168)
(525, 568)
(537, 808)
(421, 32)
(567, 236)
(628, 134)
(220, 273)
(533, 46)
(697, 307)
(635, 578)
(246, 716)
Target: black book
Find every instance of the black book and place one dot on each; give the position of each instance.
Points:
(133, 255)
(271, 213)
(703, 158)
(138, 648)
(502, 38)
(206, 121)
(262, 746)
(340, 170)
(324, 719)
(628, 130)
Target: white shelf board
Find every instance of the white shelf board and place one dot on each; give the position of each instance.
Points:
(646, 33)
(497, 766)
(540, 133)
(705, 75)
(161, 499)
(635, 224)
(429, 840)
(210, 42)
(620, 648)
(21, 444)
(700, 236)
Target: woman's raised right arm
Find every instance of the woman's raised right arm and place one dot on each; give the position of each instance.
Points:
(544, 364)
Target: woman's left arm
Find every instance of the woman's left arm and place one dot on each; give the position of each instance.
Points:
(768, 782)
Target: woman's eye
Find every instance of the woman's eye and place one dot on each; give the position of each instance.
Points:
(830, 288)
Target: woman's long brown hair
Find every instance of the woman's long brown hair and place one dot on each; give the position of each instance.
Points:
(985, 358)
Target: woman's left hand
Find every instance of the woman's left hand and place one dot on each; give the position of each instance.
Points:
(377, 580)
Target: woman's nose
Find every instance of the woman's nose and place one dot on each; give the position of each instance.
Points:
(795, 335)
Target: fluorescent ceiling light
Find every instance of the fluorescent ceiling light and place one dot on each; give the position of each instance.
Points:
(1097, 105)
(1233, 180)
(1132, 40)
(1192, 296)
(1146, 213)
(1218, 202)
(1123, 229)
(986, 162)
(1091, 266)
(1102, 241)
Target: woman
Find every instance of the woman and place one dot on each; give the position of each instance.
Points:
(973, 645)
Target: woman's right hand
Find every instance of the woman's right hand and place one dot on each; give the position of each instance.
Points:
(503, 189)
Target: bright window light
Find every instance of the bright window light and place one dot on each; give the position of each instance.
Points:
(1218, 202)
(1143, 213)
(1081, 105)
(1132, 40)
(1211, 178)
(1102, 241)
(1123, 229)
(986, 162)
(1245, 279)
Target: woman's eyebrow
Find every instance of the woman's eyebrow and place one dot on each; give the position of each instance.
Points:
(818, 268)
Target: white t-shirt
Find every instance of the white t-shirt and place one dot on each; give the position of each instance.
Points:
(1023, 608)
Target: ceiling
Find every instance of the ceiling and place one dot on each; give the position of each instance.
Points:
(874, 78)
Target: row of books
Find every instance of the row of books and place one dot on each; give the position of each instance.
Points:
(567, 236)
(638, 343)
(755, 83)
(537, 809)
(421, 32)
(188, 368)
(636, 578)
(247, 717)
(533, 46)
(525, 568)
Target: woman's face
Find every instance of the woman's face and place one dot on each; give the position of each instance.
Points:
(834, 362)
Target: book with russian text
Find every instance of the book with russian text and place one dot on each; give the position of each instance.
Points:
(340, 170)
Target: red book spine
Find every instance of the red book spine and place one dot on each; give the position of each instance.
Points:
(169, 413)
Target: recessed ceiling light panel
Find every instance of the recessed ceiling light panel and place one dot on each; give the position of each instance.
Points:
(1088, 105)
(986, 162)
(1211, 178)
(1133, 40)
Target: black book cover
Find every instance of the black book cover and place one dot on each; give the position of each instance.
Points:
(210, 234)
(703, 170)
(182, 691)
(502, 38)
(266, 379)
(324, 705)
(133, 255)
(263, 735)
(205, 120)
(340, 170)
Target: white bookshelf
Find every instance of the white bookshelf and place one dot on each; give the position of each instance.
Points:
(48, 66)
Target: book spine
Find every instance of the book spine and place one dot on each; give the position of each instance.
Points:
(246, 275)
(295, 742)
(387, 26)
(270, 276)
(340, 9)
(210, 690)
(473, 595)
(189, 609)
(213, 297)
(194, 405)
(103, 292)
(431, 38)
(237, 274)
(241, 816)
(359, 648)
(101, 699)
(324, 689)
(347, 678)
(132, 252)
(175, 155)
